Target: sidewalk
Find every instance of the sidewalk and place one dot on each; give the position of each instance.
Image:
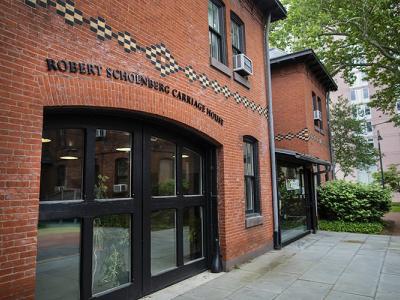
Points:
(326, 265)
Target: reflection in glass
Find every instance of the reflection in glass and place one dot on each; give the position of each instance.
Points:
(113, 161)
(163, 157)
(163, 240)
(62, 161)
(192, 233)
(249, 179)
(111, 265)
(292, 198)
(191, 172)
(58, 260)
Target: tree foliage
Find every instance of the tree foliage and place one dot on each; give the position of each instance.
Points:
(349, 34)
(351, 149)
(391, 177)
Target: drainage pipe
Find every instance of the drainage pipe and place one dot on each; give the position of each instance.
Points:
(275, 204)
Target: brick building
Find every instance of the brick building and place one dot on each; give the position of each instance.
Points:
(128, 146)
(301, 86)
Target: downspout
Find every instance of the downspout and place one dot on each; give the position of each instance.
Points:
(328, 116)
(275, 205)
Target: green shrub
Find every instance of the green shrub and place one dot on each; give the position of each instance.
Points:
(357, 227)
(346, 201)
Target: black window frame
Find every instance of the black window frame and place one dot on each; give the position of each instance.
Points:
(221, 35)
(256, 177)
(242, 37)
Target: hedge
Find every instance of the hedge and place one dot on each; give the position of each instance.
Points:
(354, 202)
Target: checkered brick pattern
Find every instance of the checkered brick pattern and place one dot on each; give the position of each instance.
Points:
(67, 10)
(301, 135)
(33, 3)
(225, 91)
(161, 57)
(260, 109)
(203, 79)
(190, 73)
(246, 102)
(215, 86)
(102, 30)
(237, 97)
(126, 41)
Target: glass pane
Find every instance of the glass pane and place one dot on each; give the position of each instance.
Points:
(58, 259)
(112, 164)
(62, 162)
(216, 18)
(191, 173)
(111, 260)
(248, 159)
(163, 161)
(192, 233)
(292, 197)
(210, 14)
(365, 93)
(235, 30)
(249, 193)
(163, 240)
(215, 46)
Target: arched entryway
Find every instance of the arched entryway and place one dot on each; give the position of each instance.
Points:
(125, 205)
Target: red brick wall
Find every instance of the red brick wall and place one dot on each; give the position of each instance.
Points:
(30, 35)
(292, 87)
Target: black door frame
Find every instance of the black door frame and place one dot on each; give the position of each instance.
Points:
(87, 209)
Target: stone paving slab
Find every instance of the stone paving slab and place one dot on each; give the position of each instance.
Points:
(326, 265)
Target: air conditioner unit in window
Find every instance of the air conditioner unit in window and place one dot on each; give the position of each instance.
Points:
(317, 115)
(242, 65)
(120, 188)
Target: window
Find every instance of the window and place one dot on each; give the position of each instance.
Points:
(367, 111)
(353, 95)
(365, 93)
(398, 106)
(237, 32)
(216, 28)
(369, 126)
(250, 159)
(317, 107)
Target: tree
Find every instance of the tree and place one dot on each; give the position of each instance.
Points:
(351, 149)
(349, 34)
(391, 177)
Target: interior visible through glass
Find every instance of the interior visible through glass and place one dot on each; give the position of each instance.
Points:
(112, 164)
(191, 172)
(163, 240)
(58, 259)
(62, 162)
(163, 162)
(192, 233)
(111, 259)
(292, 196)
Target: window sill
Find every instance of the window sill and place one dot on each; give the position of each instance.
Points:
(321, 131)
(254, 220)
(242, 80)
(220, 67)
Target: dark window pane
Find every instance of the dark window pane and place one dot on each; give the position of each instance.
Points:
(248, 159)
(214, 16)
(111, 260)
(191, 173)
(249, 193)
(237, 37)
(62, 162)
(215, 46)
(113, 164)
(163, 157)
(58, 260)
(163, 240)
(192, 233)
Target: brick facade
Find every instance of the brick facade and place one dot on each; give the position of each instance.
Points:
(293, 111)
(31, 33)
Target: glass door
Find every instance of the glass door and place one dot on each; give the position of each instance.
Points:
(293, 201)
(174, 210)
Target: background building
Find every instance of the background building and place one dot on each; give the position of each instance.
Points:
(359, 94)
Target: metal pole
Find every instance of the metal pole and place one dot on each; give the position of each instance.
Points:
(277, 240)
